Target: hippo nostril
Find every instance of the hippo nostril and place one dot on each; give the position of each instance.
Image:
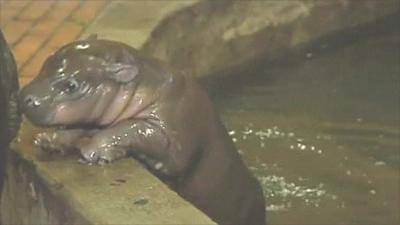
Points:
(31, 101)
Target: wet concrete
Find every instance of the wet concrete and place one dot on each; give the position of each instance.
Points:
(60, 190)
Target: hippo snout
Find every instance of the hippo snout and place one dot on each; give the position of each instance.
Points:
(31, 101)
(28, 100)
(35, 107)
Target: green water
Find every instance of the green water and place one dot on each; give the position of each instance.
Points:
(322, 135)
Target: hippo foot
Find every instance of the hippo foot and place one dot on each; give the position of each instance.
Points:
(48, 143)
(101, 155)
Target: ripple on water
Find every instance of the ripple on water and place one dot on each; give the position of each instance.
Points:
(278, 190)
(322, 135)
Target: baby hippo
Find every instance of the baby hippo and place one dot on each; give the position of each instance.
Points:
(108, 101)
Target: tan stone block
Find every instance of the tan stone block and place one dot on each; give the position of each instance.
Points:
(47, 26)
(15, 30)
(35, 10)
(66, 33)
(7, 14)
(33, 66)
(18, 4)
(62, 9)
(87, 11)
(27, 48)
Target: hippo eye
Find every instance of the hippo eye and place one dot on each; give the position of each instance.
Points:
(67, 86)
(71, 86)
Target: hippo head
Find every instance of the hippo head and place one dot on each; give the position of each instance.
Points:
(77, 83)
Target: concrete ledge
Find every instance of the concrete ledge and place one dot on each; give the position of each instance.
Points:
(63, 191)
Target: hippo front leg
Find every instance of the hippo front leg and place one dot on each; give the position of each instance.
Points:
(59, 141)
(145, 138)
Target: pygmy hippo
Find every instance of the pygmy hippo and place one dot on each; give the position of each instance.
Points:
(125, 104)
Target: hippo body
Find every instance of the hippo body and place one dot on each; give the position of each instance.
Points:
(108, 102)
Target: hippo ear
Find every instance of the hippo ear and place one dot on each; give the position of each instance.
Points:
(121, 72)
(125, 70)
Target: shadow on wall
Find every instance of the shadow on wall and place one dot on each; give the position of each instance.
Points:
(9, 115)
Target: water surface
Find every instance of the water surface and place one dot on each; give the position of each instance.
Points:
(322, 135)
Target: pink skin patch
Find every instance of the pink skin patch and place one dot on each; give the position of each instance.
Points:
(87, 109)
(68, 114)
(117, 106)
(108, 105)
(104, 95)
(136, 107)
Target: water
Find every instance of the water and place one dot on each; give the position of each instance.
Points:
(322, 135)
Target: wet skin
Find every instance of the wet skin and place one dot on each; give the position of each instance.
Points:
(109, 102)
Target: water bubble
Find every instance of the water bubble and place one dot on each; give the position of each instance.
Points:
(141, 201)
(275, 208)
(380, 163)
(158, 165)
(248, 131)
(277, 187)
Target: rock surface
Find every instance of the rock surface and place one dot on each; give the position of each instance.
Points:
(132, 22)
(206, 37)
(211, 36)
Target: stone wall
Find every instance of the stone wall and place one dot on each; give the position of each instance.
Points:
(211, 36)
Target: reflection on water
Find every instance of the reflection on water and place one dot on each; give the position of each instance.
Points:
(322, 135)
(277, 189)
